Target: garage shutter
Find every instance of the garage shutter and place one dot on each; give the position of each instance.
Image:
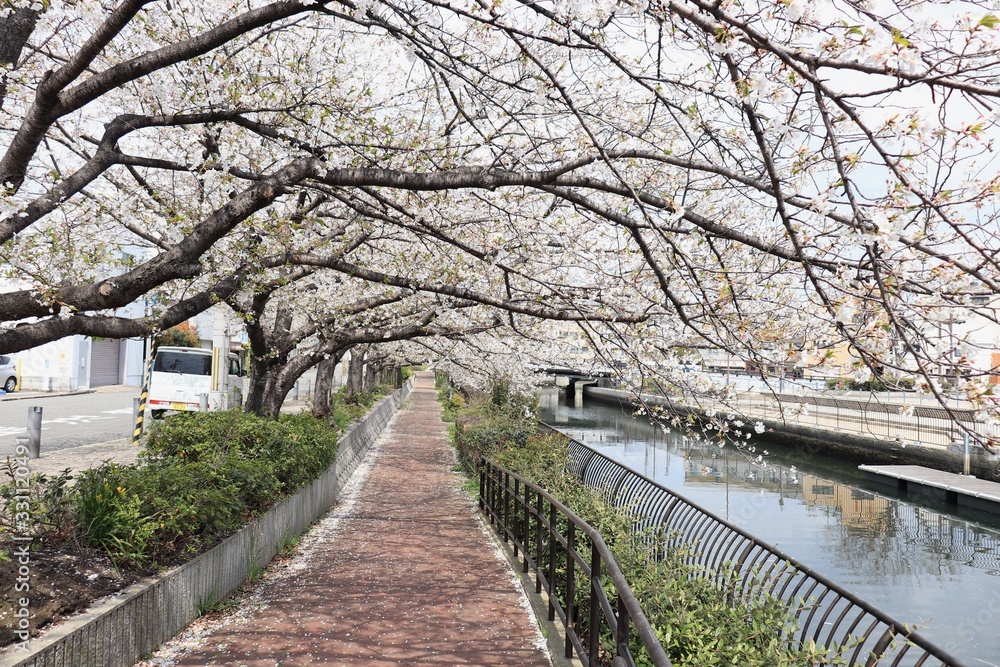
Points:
(104, 362)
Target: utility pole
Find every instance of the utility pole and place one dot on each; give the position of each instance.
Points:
(219, 396)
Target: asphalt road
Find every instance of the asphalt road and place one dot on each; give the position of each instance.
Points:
(68, 421)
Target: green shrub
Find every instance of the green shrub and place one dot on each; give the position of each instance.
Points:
(194, 435)
(199, 478)
(297, 448)
(195, 504)
(303, 448)
(874, 384)
(347, 406)
(451, 403)
(50, 506)
(486, 427)
(111, 514)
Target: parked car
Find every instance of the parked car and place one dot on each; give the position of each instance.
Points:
(8, 373)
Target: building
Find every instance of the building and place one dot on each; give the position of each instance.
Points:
(82, 362)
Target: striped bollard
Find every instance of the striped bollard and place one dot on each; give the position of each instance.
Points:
(140, 410)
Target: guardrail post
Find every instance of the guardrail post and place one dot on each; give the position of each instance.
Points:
(136, 404)
(516, 518)
(482, 487)
(594, 630)
(526, 529)
(965, 464)
(538, 542)
(571, 627)
(551, 579)
(621, 631)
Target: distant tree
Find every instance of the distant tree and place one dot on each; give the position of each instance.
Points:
(182, 335)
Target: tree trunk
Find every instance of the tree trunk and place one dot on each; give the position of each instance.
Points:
(368, 384)
(275, 397)
(324, 386)
(15, 29)
(256, 386)
(265, 368)
(356, 369)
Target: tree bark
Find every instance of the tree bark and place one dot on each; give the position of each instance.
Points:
(369, 381)
(15, 29)
(356, 369)
(275, 396)
(324, 386)
(258, 386)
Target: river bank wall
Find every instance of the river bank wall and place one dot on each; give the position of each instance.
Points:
(809, 439)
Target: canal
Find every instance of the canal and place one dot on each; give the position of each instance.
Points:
(921, 562)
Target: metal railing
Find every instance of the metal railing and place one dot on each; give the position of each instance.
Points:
(824, 612)
(554, 543)
(890, 421)
(919, 425)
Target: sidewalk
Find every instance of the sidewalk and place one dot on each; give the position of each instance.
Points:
(24, 395)
(83, 457)
(407, 576)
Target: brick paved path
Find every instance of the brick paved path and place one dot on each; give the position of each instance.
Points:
(408, 578)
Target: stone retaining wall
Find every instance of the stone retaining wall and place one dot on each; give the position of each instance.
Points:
(859, 448)
(125, 628)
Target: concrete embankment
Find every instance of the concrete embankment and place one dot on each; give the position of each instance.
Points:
(809, 439)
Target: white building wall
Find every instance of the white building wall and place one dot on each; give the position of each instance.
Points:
(974, 336)
(56, 366)
(133, 365)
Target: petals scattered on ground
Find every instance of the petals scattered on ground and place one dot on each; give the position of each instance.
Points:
(400, 572)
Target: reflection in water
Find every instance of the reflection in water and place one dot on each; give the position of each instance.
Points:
(919, 562)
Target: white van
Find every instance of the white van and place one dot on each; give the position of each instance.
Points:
(181, 374)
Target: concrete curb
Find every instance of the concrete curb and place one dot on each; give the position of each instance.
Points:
(120, 630)
(27, 396)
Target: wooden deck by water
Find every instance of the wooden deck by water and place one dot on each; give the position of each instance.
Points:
(960, 490)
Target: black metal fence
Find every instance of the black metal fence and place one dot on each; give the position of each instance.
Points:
(557, 545)
(824, 612)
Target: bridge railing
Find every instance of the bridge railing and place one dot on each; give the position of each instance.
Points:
(912, 424)
(921, 425)
(555, 544)
(824, 612)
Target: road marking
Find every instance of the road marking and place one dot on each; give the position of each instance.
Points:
(122, 411)
(75, 420)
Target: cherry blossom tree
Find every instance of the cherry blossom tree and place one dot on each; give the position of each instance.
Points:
(671, 174)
